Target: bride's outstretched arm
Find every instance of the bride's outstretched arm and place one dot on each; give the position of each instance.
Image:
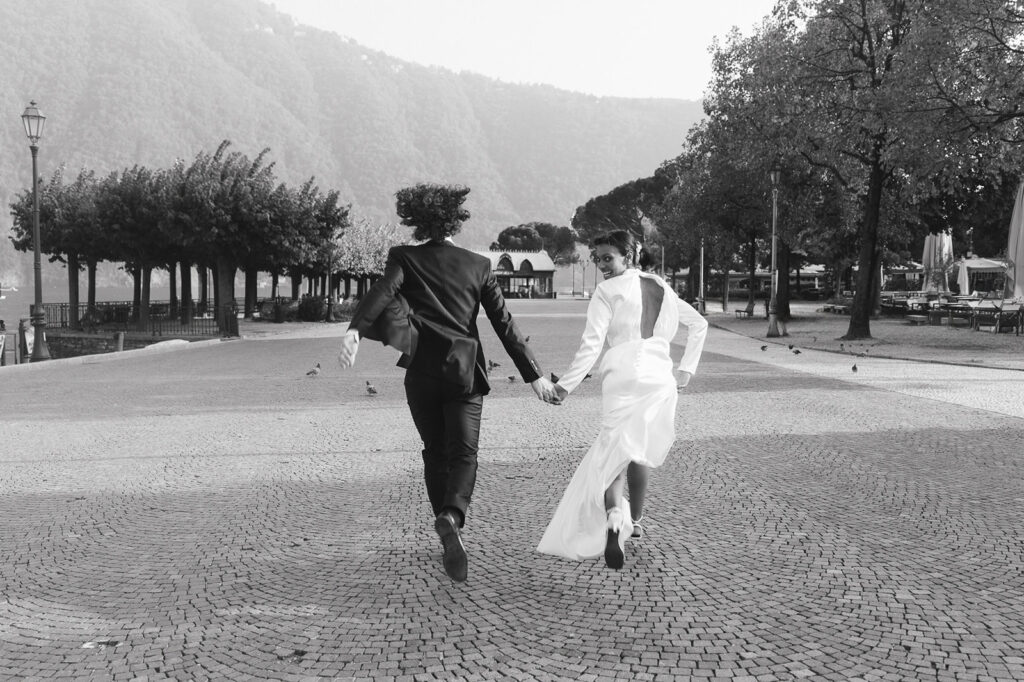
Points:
(599, 316)
(696, 334)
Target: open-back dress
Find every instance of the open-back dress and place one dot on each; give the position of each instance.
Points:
(639, 316)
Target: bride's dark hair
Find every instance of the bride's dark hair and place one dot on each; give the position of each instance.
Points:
(623, 240)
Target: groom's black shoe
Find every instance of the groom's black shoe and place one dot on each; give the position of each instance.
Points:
(455, 562)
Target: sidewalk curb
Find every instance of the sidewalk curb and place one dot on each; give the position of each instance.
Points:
(110, 357)
(923, 361)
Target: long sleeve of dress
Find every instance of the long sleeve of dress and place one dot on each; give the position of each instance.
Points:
(599, 317)
(696, 334)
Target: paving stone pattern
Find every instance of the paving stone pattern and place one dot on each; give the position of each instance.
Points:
(213, 514)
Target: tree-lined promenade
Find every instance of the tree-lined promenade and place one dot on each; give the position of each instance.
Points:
(887, 119)
(222, 212)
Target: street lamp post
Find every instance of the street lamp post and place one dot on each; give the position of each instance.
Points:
(701, 305)
(34, 120)
(773, 313)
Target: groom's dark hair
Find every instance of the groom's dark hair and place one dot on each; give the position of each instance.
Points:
(623, 240)
(433, 211)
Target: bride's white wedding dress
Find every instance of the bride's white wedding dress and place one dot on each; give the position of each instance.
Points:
(638, 399)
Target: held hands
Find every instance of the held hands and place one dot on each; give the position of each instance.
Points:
(545, 390)
(348, 350)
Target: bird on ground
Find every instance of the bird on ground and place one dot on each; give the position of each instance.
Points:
(790, 346)
(314, 372)
(527, 339)
(370, 389)
(842, 346)
(511, 378)
(587, 377)
(491, 364)
(554, 378)
(854, 368)
(796, 351)
(765, 347)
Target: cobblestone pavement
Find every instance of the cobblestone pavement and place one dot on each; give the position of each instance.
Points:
(214, 513)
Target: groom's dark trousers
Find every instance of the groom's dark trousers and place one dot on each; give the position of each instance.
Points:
(426, 306)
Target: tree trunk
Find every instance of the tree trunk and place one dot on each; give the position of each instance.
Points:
(227, 319)
(860, 312)
(348, 287)
(251, 275)
(725, 285)
(296, 278)
(274, 281)
(752, 273)
(204, 290)
(172, 283)
(142, 324)
(876, 289)
(186, 294)
(73, 290)
(91, 286)
(136, 292)
(782, 309)
(216, 292)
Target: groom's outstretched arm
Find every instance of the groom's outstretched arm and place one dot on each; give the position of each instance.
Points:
(505, 327)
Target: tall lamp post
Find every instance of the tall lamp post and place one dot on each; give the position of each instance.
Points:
(34, 120)
(773, 313)
(701, 305)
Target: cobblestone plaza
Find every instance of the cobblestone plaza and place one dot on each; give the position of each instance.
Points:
(213, 513)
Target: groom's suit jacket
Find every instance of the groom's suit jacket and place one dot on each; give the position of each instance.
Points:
(426, 306)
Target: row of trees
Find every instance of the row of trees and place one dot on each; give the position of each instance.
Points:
(888, 119)
(223, 212)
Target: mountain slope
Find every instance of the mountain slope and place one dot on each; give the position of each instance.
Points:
(145, 81)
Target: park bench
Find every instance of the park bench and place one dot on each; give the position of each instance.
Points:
(745, 312)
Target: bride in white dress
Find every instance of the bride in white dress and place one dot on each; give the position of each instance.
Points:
(638, 315)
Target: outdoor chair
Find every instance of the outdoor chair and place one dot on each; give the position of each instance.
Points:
(998, 321)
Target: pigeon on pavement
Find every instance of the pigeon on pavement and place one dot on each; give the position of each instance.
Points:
(765, 347)
(314, 372)
(370, 389)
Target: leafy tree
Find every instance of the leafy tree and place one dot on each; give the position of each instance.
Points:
(623, 208)
(363, 249)
(518, 238)
(130, 205)
(850, 87)
(559, 241)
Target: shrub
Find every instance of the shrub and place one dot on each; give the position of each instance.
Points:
(312, 308)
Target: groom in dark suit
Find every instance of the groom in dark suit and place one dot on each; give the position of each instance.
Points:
(426, 306)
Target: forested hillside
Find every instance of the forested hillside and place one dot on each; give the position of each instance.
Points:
(126, 82)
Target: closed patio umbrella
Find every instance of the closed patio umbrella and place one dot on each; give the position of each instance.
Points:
(935, 261)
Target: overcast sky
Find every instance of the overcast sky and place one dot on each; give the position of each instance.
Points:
(626, 48)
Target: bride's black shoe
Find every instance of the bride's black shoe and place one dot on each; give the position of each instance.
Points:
(614, 553)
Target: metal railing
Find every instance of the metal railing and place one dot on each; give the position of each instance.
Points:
(164, 318)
